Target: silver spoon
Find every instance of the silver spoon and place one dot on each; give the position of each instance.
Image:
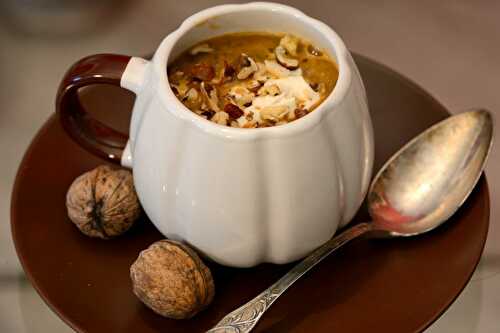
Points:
(418, 189)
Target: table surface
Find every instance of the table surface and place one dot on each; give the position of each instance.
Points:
(450, 47)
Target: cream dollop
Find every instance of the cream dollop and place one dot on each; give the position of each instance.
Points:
(293, 92)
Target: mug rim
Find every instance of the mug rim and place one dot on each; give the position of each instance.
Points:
(312, 119)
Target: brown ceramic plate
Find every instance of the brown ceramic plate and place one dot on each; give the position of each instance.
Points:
(399, 285)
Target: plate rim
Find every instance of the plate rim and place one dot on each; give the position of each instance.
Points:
(15, 197)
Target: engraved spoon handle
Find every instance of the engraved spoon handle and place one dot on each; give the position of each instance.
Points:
(244, 318)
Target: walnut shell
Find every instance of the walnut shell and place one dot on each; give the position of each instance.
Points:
(171, 279)
(103, 202)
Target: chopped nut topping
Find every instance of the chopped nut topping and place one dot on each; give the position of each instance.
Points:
(251, 67)
(273, 112)
(250, 124)
(229, 70)
(299, 113)
(290, 44)
(192, 94)
(208, 114)
(284, 60)
(202, 72)
(202, 48)
(233, 111)
(181, 88)
(174, 89)
(177, 75)
(270, 89)
(275, 69)
(241, 95)
(220, 118)
(192, 99)
(226, 74)
(265, 87)
(253, 85)
(212, 99)
(261, 75)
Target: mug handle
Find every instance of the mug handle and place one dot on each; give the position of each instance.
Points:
(91, 134)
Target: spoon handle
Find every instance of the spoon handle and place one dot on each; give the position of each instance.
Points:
(244, 318)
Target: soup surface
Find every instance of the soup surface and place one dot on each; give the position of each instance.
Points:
(252, 80)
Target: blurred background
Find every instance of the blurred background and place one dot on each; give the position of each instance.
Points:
(451, 48)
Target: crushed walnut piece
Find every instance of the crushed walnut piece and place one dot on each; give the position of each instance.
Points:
(201, 48)
(284, 59)
(233, 111)
(203, 72)
(290, 44)
(249, 68)
(260, 82)
(241, 95)
(220, 118)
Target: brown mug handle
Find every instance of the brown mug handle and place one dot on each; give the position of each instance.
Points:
(93, 135)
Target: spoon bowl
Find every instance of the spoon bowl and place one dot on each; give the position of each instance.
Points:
(418, 189)
(430, 177)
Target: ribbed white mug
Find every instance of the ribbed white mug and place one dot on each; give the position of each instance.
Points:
(239, 196)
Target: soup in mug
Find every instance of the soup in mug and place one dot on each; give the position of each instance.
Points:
(251, 80)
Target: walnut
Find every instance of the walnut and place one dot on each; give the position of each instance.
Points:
(103, 202)
(171, 279)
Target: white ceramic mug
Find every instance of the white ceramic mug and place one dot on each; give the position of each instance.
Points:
(240, 196)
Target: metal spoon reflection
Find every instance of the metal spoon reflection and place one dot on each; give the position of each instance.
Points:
(416, 190)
